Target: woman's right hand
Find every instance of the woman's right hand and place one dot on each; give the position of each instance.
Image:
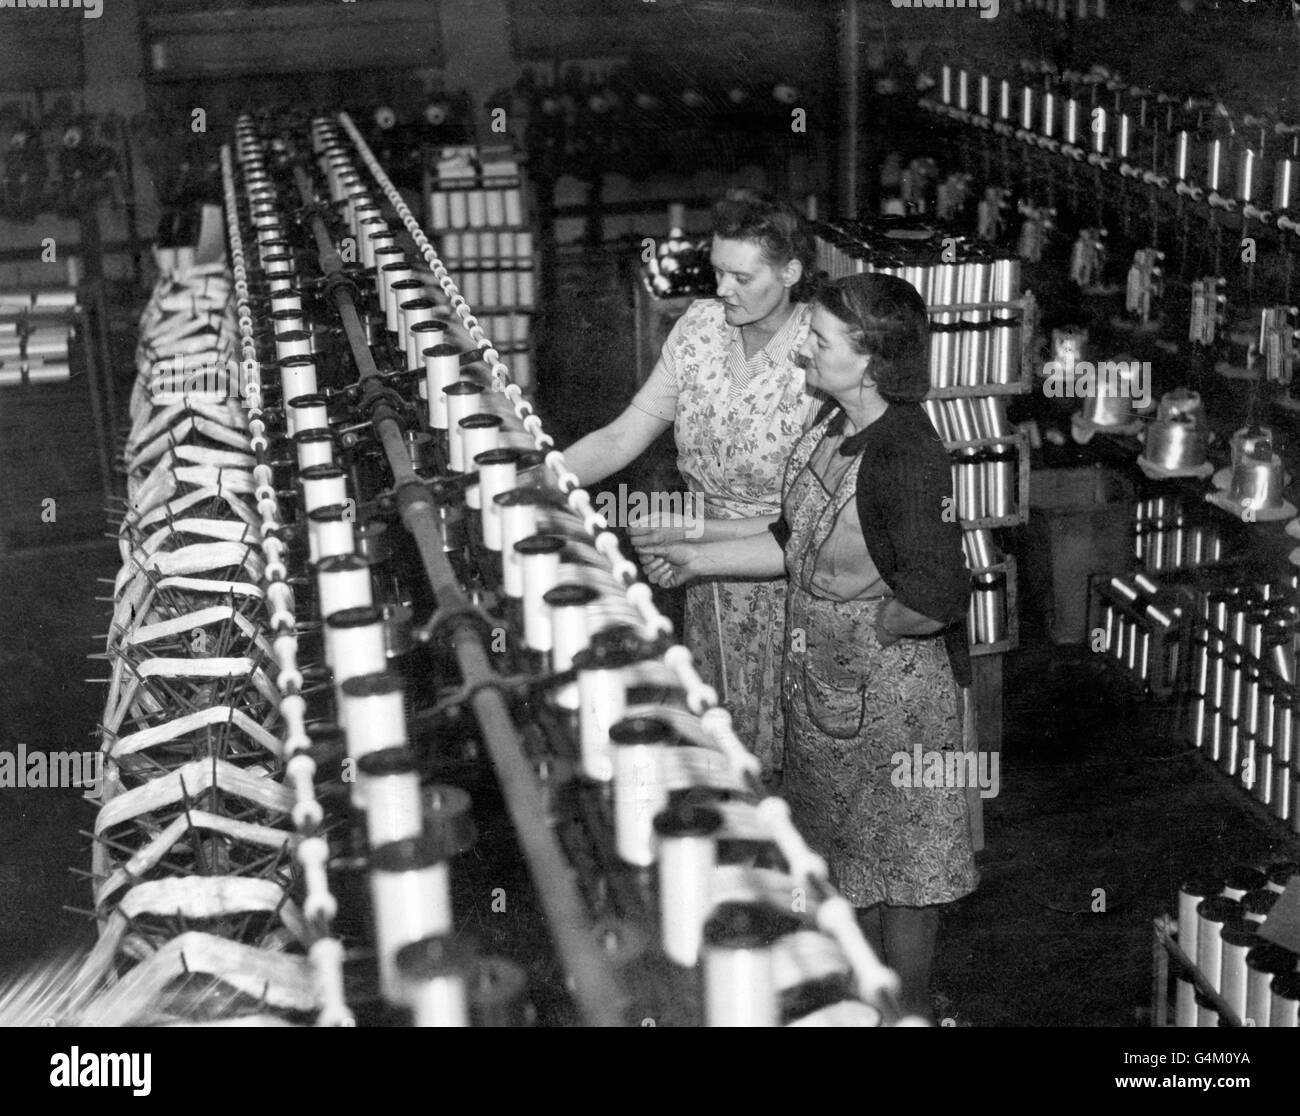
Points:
(669, 565)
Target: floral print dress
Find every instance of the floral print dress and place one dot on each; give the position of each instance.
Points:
(736, 422)
(853, 706)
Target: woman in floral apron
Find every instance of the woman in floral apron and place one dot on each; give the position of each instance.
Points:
(876, 650)
(729, 384)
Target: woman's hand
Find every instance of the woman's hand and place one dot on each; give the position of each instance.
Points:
(669, 565)
(895, 621)
(656, 528)
(884, 636)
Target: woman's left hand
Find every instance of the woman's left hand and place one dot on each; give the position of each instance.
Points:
(668, 565)
(885, 636)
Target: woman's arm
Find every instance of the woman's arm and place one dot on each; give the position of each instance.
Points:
(749, 556)
(614, 446)
(694, 528)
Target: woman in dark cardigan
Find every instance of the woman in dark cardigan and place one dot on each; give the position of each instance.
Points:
(876, 650)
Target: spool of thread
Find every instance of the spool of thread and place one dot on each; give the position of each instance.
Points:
(354, 645)
(424, 334)
(285, 300)
(366, 213)
(342, 582)
(539, 563)
(287, 320)
(374, 543)
(314, 447)
(478, 434)
(1285, 178)
(436, 973)
(382, 246)
(570, 634)
(1284, 1008)
(420, 449)
(441, 370)
(602, 697)
(1256, 905)
(407, 289)
(306, 412)
(1263, 963)
(323, 485)
(518, 511)
(330, 531)
(297, 374)
(464, 398)
(371, 711)
(496, 475)
(688, 854)
(414, 312)
(366, 229)
(411, 898)
(739, 973)
(391, 269)
(1190, 896)
(388, 790)
(1211, 915)
(294, 343)
(1214, 165)
(1241, 879)
(640, 792)
(1280, 873)
(1238, 939)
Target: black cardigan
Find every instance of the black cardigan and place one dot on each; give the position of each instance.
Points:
(909, 522)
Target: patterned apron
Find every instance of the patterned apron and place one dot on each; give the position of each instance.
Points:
(732, 449)
(852, 707)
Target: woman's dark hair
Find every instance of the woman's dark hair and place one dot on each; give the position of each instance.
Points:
(887, 320)
(779, 229)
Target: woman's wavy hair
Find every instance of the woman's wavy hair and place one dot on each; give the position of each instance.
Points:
(887, 321)
(777, 227)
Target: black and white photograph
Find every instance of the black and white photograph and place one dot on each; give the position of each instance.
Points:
(573, 514)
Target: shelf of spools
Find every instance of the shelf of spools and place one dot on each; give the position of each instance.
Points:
(37, 333)
(1189, 154)
(1144, 625)
(1242, 701)
(478, 215)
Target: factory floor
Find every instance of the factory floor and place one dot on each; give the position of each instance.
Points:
(1102, 809)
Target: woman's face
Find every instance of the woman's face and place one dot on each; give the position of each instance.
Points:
(830, 361)
(751, 289)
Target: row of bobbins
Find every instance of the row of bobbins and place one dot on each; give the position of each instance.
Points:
(408, 868)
